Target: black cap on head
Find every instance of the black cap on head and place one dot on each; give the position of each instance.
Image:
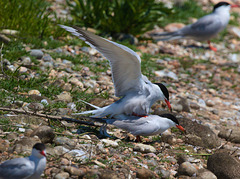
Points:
(39, 146)
(164, 90)
(222, 3)
(171, 117)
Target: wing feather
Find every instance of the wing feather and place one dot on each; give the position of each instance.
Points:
(125, 63)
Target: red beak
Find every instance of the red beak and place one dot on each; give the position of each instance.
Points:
(180, 128)
(169, 105)
(234, 5)
(43, 153)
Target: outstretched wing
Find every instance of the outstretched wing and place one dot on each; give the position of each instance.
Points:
(125, 63)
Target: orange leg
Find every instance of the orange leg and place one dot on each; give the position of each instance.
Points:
(138, 138)
(211, 47)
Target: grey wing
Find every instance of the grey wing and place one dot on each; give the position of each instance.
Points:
(125, 63)
(18, 168)
(206, 25)
(141, 126)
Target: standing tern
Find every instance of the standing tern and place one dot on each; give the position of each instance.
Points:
(205, 28)
(137, 92)
(142, 126)
(25, 168)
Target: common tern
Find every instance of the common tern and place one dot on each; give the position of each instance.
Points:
(25, 168)
(142, 126)
(205, 28)
(137, 92)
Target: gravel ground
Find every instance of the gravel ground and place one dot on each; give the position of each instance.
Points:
(204, 93)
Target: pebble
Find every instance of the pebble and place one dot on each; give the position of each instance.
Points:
(23, 70)
(65, 141)
(186, 168)
(47, 58)
(75, 171)
(26, 61)
(11, 68)
(144, 173)
(62, 175)
(36, 53)
(108, 142)
(144, 148)
(65, 97)
(45, 133)
(165, 73)
(34, 92)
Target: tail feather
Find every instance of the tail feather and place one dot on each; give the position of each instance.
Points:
(96, 107)
(167, 36)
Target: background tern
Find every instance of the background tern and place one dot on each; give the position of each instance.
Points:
(25, 168)
(205, 28)
(137, 92)
(142, 126)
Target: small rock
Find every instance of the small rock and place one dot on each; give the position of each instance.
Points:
(205, 174)
(186, 168)
(194, 106)
(93, 51)
(12, 136)
(23, 70)
(182, 158)
(64, 161)
(164, 174)
(60, 150)
(210, 103)
(67, 87)
(36, 53)
(144, 173)
(230, 133)
(64, 141)
(201, 102)
(144, 148)
(26, 61)
(62, 175)
(75, 171)
(224, 166)
(198, 134)
(35, 106)
(25, 144)
(165, 73)
(108, 142)
(65, 96)
(76, 82)
(235, 31)
(11, 68)
(47, 58)
(34, 92)
(45, 133)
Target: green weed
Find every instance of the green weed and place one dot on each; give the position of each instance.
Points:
(118, 16)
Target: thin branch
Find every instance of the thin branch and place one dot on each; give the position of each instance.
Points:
(54, 117)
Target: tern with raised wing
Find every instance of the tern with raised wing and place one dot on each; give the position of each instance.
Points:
(25, 168)
(137, 93)
(204, 29)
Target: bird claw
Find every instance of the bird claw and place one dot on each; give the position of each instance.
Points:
(213, 48)
(103, 131)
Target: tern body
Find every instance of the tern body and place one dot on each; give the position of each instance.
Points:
(144, 126)
(25, 168)
(205, 28)
(137, 93)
